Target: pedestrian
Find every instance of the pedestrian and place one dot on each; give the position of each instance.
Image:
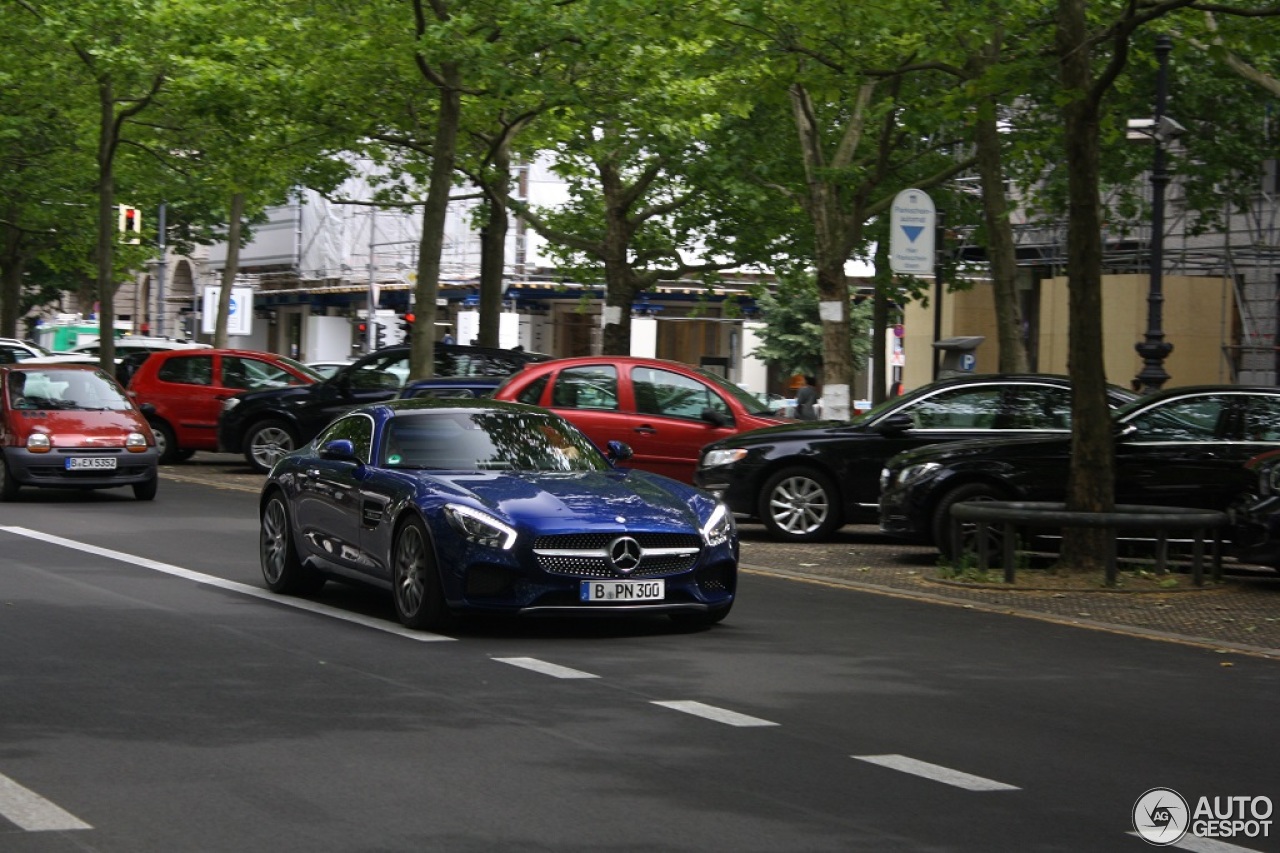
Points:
(806, 400)
(448, 336)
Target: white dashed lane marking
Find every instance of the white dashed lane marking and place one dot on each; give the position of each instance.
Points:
(711, 712)
(937, 773)
(32, 812)
(551, 669)
(230, 586)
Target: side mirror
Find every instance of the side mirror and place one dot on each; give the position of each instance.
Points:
(1125, 430)
(148, 409)
(339, 448)
(618, 451)
(897, 422)
(716, 419)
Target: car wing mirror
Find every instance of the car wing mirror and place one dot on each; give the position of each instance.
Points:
(339, 448)
(899, 422)
(1125, 430)
(148, 409)
(714, 418)
(618, 451)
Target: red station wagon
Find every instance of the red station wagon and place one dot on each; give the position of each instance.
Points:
(71, 426)
(666, 411)
(181, 392)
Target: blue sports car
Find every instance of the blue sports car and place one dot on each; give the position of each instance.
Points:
(476, 506)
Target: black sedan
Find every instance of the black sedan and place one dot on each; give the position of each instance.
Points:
(481, 506)
(803, 481)
(265, 425)
(1182, 447)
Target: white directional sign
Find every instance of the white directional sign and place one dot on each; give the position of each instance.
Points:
(912, 222)
(239, 312)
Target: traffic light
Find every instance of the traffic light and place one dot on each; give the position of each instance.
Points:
(130, 224)
(406, 323)
(379, 336)
(362, 335)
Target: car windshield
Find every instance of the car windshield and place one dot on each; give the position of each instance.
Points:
(749, 401)
(302, 368)
(65, 389)
(487, 441)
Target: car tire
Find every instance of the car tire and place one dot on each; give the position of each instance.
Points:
(146, 491)
(166, 442)
(282, 570)
(415, 581)
(698, 620)
(266, 443)
(941, 522)
(800, 504)
(8, 486)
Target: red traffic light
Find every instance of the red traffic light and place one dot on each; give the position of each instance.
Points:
(362, 327)
(408, 318)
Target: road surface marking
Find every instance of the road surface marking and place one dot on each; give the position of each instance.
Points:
(231, 586)
(32, 812)
(551, 669)
(1196, 844)
(937, 773)
(711, 712)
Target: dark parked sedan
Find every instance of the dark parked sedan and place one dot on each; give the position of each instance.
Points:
(467, 506)
(805, 480)
(1183, 447)
(265, 425)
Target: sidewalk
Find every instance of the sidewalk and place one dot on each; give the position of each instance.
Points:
(1242, 614)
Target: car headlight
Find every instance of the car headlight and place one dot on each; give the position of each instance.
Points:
(719, 526)
(230, 403)
(716, 458)
(916, 473)
(135, 442)
(480, 527)
(39, 442)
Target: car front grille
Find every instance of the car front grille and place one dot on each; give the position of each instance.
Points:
(586, 555)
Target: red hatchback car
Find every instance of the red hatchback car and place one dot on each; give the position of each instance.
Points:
(70, 426)
(181, 392)
(666, 411)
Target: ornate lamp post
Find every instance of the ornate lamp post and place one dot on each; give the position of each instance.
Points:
(1154, 348)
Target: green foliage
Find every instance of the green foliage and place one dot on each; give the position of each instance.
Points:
(792, 335)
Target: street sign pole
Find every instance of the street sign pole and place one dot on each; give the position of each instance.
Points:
(913, 227)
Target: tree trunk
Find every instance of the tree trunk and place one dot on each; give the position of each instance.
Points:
(106, 285)
(12, 264)
(434, 213)
(493, 248)
(1000, 248)
(1090, 485)
(229, 271)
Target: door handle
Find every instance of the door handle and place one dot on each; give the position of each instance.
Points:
(645, 429)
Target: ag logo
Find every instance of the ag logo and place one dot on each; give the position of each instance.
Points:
(624, 554)
(1160, 816)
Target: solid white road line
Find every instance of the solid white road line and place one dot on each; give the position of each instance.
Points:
(231, 586)
(551, 669)
(710, 712)
(1196, 844)
(32, 812)
(937, 773)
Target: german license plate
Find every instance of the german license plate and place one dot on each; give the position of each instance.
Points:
(621, 591)
(91, 463)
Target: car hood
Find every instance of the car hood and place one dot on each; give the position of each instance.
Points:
(77, 428)
(789, 431)
(952, 451)
(577, 502)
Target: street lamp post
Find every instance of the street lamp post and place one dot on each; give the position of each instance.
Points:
(1154, 348)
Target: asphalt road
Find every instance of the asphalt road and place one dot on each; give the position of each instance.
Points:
(153, 697)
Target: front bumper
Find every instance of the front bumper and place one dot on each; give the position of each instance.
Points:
(49, 470)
